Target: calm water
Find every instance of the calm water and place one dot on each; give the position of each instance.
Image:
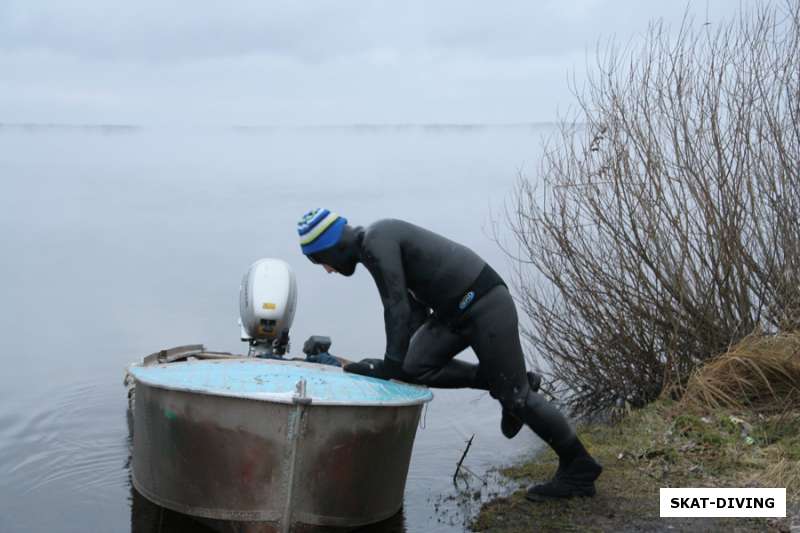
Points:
(119, 243)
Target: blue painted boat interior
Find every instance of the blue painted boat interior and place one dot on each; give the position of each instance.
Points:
(269, 380)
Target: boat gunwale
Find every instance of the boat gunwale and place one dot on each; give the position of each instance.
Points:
(285, 398)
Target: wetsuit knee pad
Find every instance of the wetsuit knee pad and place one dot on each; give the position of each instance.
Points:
(545, 420)
(513, 399)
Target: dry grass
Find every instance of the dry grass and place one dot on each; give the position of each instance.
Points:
(783, 473)
(760, 378)
(761, 372)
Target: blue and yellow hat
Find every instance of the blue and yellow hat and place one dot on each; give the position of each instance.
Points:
(319, 229)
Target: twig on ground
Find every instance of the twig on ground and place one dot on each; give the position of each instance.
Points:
(463, 455)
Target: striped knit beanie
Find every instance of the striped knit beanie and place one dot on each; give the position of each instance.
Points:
(319, 229)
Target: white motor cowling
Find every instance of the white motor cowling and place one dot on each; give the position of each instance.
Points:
(267, 302)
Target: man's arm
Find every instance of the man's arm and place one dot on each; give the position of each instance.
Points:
(383, 258)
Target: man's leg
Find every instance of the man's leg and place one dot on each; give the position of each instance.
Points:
(494, 335)
(430, 359)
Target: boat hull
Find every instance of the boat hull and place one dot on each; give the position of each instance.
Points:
(282, 464)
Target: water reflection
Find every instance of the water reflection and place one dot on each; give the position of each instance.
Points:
(147, 517)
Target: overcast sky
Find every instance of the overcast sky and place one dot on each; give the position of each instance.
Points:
(262, 62)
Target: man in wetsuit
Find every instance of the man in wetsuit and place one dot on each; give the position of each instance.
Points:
(440, 297)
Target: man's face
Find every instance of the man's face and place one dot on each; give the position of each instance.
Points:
(333, 260)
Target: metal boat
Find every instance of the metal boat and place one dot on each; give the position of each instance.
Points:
(279, 445)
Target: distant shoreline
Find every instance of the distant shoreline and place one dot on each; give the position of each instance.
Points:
(241, 128)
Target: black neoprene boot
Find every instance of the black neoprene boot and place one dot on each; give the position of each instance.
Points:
(574, 479)
(510, 424)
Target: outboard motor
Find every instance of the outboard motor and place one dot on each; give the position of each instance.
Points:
(267, 302)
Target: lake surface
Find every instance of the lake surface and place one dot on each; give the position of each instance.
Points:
(118, 242)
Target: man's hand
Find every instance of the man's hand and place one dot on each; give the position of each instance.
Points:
(379, 368)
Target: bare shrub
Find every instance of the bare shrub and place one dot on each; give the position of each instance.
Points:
(665, 225)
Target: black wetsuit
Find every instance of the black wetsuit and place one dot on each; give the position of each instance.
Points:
(439, 298)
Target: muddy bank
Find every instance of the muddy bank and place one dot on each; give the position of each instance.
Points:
(662, 446)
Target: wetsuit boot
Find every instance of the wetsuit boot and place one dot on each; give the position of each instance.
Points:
(577, 470)
(574, 479)
(510, 424)
(575, 476)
